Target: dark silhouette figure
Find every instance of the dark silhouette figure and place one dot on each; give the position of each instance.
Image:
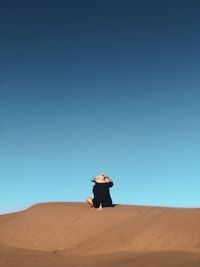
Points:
(101, 191)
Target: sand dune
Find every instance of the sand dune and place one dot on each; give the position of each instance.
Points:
(73, 234)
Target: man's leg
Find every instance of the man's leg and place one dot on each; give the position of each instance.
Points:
(89, 201)
(100, 207)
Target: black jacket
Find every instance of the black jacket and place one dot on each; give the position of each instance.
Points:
(101, 193)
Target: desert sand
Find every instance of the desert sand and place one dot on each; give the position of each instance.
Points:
(76, 235)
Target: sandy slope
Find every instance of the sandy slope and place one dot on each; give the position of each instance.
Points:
(73, 234)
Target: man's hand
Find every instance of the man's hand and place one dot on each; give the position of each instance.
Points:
(108, 180)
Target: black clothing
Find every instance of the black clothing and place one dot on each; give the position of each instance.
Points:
(102, 196)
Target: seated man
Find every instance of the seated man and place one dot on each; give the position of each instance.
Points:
(101, 191)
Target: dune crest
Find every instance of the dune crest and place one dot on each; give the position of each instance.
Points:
(76, 229)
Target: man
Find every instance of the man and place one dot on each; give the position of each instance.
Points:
(101, 191)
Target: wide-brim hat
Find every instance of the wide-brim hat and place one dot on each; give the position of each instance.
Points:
(100, 179)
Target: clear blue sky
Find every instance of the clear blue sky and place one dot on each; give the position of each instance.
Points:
(99, 86)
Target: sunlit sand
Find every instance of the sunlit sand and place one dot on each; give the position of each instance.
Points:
(74, 234)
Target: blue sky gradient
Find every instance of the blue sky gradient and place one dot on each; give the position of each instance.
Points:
(100, 86)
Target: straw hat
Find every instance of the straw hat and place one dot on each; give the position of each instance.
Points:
(100, 179)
